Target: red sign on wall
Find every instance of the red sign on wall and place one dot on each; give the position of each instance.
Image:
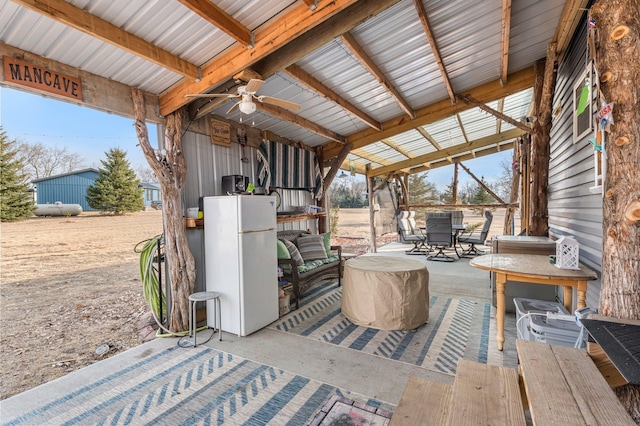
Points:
(23, 73)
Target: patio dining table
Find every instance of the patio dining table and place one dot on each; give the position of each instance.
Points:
(534, 269)
(457, 229)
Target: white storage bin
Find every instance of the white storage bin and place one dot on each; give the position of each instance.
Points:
(525, 306)
(553, 331)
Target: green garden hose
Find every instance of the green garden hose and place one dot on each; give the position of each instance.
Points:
(151, 284)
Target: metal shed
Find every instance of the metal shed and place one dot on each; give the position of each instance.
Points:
(68, 188)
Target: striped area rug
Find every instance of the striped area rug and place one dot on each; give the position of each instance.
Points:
(197, 386)
(457, 329)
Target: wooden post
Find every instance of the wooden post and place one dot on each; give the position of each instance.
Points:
(540, 151)
(454, 188)
(171, 173)
(322, 202)
(372, 212)
(513, 194)
(525, 185)
(617, 42)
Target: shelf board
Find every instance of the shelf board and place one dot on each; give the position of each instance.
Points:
(287, 218)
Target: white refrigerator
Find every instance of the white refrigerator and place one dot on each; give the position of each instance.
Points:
(241, 261)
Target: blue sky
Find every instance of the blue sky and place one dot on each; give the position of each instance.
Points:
(90, 133)
(85, 131)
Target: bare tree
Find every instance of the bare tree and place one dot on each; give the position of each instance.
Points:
(145, 174)
(42, 161)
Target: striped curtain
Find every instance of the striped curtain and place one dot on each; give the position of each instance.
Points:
(288, 167)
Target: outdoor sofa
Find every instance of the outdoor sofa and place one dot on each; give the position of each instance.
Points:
(309, 266)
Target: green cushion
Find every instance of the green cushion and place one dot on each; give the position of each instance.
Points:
(327, 242)
(311, 247)
(283, 253)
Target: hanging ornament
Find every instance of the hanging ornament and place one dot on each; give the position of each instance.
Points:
(592, 22)
(584, 98)
(605, 114)
(595, 145)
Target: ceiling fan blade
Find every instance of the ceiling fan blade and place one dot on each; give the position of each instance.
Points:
(234, 106)
(253, 85)
(279, 102)
(212, 95)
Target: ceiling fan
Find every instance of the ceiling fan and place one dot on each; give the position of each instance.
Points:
(247, 94)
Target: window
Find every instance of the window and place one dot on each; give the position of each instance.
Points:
(583, 104)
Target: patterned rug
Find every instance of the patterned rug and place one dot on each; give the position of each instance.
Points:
(457, 329)
(186, 386)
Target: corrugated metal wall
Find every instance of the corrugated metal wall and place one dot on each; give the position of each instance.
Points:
(68, 189)
(575, 208)
(206, 164)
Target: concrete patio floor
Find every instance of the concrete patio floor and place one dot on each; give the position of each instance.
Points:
(338, 366)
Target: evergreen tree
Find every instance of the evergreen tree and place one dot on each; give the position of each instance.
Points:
(481, 196)
(421, 191)
(116, 187)
(16, 202)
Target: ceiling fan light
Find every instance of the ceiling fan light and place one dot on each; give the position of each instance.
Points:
(247, 107)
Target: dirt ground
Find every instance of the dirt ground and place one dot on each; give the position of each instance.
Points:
(70, 285)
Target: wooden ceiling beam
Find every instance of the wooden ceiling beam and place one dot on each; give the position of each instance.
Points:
(428, 137)
(462, 130)
(506, 31)
(66, 13)
(219, 18)
(500, 110)
(464, 157)
(470, 100)
(391, 144)
(357, 166)
(422, 14)
(366, 61)
(287, 27)
(312, 4)
(320, 35)
(372, 158)
(569, 20)
(308, 80)
(448, 152)
(436, 111)
(286, 115)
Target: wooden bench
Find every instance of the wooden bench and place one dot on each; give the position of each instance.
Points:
(481, 394)
(565, 387)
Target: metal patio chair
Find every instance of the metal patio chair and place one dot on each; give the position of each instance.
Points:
(411, 233)
(439, 236)
(476, 237)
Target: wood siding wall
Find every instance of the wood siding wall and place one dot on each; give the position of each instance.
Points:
(575, 208)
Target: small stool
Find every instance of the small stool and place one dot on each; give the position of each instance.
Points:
(203, 296)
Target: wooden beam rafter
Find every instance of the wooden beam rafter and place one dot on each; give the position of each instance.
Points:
(218, 17)
(464, 157)
(311, 3)
(297, 20)
(66, 13)
(428, 137)
(286, 115)
(366, 61)
(462, 130)
(436, 111)
(501, 111)
(449, 152)
(470, 100)
(506, 31)
(422, 14)
(308, 80)
(392, 144)
(372, 158)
